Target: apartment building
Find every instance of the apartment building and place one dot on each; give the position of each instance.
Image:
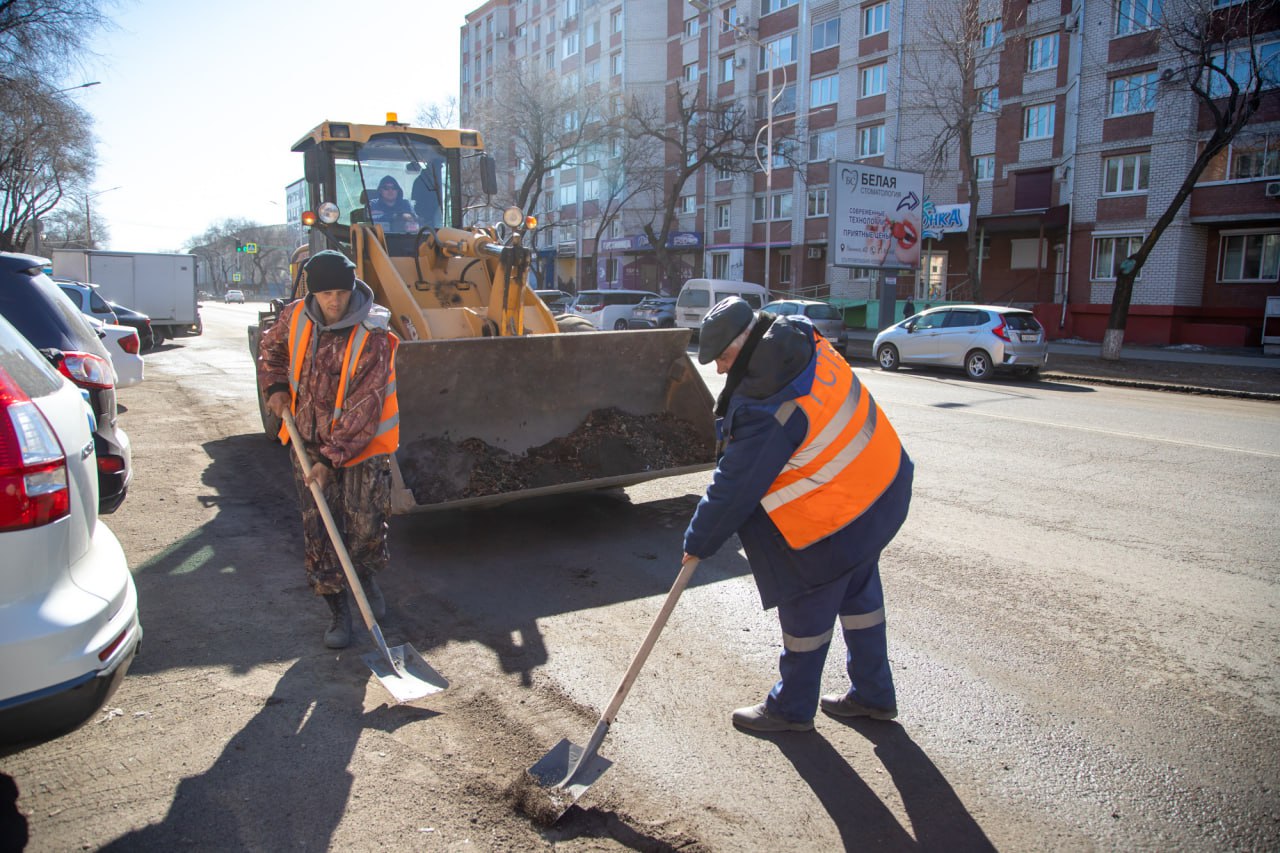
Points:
(1082, 136)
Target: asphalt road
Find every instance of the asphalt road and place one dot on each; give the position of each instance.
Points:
(1082, 612)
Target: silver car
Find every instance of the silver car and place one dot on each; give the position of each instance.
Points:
(826, 318)
(981, 339)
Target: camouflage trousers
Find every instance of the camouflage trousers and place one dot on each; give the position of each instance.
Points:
(359, 498)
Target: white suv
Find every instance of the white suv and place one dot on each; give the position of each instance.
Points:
(70, 613)
(609, 309)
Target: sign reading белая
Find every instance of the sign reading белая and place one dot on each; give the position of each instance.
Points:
(876, 219)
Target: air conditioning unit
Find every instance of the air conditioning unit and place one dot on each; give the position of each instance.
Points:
(740, 62)
(1273, 189)
(814, 252)
(501, 35)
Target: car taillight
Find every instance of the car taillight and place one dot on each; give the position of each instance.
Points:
(130, 344)
(33, 468)
(1000, 332)
(87, 370)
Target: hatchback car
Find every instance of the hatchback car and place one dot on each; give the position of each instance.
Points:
(234, 296)
(609, 309)
(70, 626)
(826, 318)
(41, 312)
(656, 312)
(88, 300)
(980, 339)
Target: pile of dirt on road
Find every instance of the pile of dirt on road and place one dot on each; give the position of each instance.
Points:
(608, 443)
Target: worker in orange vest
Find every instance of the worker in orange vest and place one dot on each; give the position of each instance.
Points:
(814, 481)
(330, 360)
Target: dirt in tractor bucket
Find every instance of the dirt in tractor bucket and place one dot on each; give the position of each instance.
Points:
(608, 443)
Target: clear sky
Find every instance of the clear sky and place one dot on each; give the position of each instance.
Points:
(199, 103)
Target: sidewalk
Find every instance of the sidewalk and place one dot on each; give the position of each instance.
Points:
(1228, 372)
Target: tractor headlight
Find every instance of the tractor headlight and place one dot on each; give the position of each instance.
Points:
(329, 213)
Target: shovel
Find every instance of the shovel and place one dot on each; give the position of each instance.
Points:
(401, 669)
(568, 770)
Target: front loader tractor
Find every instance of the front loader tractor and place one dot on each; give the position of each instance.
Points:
(499, 399)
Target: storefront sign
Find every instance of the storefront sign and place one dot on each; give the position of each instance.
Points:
(942, 219)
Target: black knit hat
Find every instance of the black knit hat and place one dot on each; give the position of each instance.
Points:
(330, 270)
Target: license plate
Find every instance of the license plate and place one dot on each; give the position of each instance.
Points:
(1030, 336)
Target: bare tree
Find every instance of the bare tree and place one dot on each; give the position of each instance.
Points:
(1217, 58)
(40, 39)
(623, 178)
(946, 75)
(67, 227)
(439, 114)
(688, 135)
(46, 153)
(547, 123)
(216, 248)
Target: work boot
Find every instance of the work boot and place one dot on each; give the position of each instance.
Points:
(758, 718)
(843, 705)
(339, 634)
(377, 603)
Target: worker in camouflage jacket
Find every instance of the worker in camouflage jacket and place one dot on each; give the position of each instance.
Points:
(330, 359)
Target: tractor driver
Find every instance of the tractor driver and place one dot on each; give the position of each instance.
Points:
(390, 209)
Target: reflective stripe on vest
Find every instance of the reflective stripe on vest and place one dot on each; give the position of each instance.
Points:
(386, 439)
(848, 458)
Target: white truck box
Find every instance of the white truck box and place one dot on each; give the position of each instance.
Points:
(162, 286)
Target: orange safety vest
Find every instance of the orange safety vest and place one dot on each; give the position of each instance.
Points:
(387, 437)
(848, 459)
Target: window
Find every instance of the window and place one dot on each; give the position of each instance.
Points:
(780, 207)
(984, 167)
(1238, 66)
(571, 45)
(720, 265)
(1037, 122)
(1130, 173)
(723, 172)
(768, 7)
(1108, 252)
(780, 51)
(822, 145)
(728, 18)
(691, 27)
(615, 21)
(726, 68)
(875, 19)
(826, 34)
(592, 72)
(615, 64)
(570, 9)
(572, 120)
(824, 90)
(871, 141)
(591, 189)
(593, 34)
(1247, 157)
(1133, 94)
(691, 72)
(872, 81)
(1250, 257)
(688, 203)
(989, 100)
(786, 102)
(722, 214)
(551, 59)
(1135, 15)
(1043, 52)
(784, 267)
(568, 195)
(816, 204)
(757, 208)
(992, 34)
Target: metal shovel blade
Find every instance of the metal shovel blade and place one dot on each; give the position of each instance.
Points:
(410, 678)
(554, 770)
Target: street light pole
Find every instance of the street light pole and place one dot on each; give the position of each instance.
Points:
(88, 216)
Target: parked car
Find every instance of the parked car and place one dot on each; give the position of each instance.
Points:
(88, 300)
(70, 626)
(123, 347)
(981, 339)
(557, 300)
(656, 312)
(41, 312)
(825, 317)
(140, 322)
(609, 309)
(234, 296)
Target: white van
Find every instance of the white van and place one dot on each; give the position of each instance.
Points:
(609, 309)
(699, 294)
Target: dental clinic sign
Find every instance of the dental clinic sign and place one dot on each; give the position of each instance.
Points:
(877, 217)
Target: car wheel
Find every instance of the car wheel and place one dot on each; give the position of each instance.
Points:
(621, 325)
(977, 365)
(887, 355)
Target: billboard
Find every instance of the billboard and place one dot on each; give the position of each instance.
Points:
(877, 217)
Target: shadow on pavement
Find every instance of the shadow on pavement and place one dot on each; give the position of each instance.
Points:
(282, 782)
(14, 832)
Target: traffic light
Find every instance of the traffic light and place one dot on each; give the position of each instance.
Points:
(239, 245)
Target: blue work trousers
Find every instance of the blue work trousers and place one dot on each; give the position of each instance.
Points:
(807, 627)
